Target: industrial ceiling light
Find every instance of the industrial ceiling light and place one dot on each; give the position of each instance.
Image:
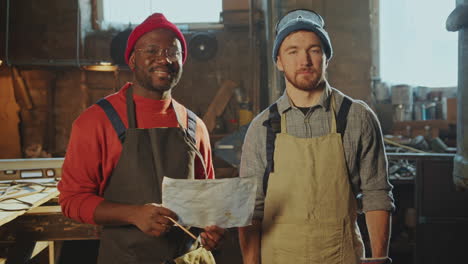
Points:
(103, 66)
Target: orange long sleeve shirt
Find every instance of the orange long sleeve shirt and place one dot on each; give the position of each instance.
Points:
(94, 150)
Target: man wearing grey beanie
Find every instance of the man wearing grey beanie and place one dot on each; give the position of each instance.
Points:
(319, 159)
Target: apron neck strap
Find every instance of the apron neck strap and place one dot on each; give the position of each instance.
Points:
(184, 127)
(333, 113)
(283, 124)
(130, 108)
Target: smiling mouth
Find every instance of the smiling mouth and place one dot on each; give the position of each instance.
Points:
(162, 73)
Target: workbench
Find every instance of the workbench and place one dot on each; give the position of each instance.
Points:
(30, 218)
(27, 199)
(25, 233)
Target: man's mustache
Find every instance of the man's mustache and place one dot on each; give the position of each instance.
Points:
(306, 70)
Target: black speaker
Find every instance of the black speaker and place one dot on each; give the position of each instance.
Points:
(203, 46)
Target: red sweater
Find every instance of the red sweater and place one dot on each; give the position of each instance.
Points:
(94, 150)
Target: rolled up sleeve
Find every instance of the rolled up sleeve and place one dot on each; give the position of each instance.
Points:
(375, 188)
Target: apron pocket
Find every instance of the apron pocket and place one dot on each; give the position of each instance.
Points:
(285, 243)
(327, 240)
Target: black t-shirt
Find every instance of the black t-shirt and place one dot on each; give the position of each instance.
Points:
(304, 110)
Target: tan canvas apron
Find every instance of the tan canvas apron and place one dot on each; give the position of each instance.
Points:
(310, 210)
(147, 155)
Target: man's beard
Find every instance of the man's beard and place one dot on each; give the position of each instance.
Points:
(305, 84)
(146, 81)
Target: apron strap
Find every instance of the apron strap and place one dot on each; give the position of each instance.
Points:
(191, 125)
(333, 107)
(190, 133)
(273, 125)
(114, 118)
(130, 108)
(342, 117)
(284, 130)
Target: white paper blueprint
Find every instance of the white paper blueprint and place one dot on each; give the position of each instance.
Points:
(200, 203)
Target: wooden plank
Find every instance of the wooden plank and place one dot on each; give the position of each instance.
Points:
(44, 210)
(31, 164)
(51, 252)
(9, 134)
(35, 199)
(23, 91)
(218, 104)
(47, 225)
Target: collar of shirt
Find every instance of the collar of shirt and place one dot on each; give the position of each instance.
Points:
(285, 104)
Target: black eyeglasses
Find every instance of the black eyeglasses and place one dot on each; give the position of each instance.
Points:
(172, 53)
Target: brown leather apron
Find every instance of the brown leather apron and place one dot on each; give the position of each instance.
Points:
(310, 210)
(147, 156)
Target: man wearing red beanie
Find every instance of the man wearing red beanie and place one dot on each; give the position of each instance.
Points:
(121, 148)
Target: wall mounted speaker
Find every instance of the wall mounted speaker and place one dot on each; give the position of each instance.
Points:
(203, 46)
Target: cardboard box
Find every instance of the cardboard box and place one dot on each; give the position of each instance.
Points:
(452, 110)
(419, 127)
(235, 5)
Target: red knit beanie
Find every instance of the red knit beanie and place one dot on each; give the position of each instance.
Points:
(155, 21)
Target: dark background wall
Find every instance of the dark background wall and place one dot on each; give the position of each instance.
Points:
(43, 42)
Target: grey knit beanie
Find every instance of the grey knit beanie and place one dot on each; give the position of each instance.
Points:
(301, 19)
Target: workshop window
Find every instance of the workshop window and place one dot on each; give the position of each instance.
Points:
(415, 47)
(124, 12)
